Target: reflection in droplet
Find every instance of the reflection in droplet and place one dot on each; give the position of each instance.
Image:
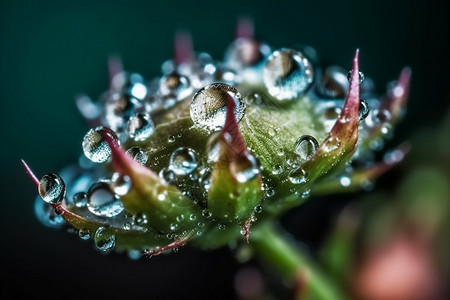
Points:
(52, 188)
(298, 176)
(183, 161)
(140, 127)
(167, 175)
(245, 168)
(364, 109)
(209, 105)
(306, 146)
(138, 154)
(104, 240)
(79, 199)
(84, 233)
(95, 146)
(102, 202)
(120, 184)
(287, 74)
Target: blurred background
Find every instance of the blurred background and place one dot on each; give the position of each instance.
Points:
(51, 51)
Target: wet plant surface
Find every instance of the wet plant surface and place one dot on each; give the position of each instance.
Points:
(148, 121)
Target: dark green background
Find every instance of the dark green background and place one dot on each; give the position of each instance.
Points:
(52, 50)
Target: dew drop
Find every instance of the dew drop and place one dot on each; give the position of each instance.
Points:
(138, 154)
(140, 127)
(364, 109)
(258, 209)
(174, 226)
(278, 169)
(102, 202)
(104, 240)
(183, 161)
(79, 199)
(175, 85)
(206, 213)
(245, 168)
(127, 226)
(332, 143)
(287, 74)
(84, 233)
(209, 105)
(306, 146)
(222, 226)
(381, 116)
(345, 181)
(52, 188)
(298, 176)
(361, 76)
(140, 218)
(192, 217)
(95, 146)
(243, 231)
(167, 175)
(120, 184)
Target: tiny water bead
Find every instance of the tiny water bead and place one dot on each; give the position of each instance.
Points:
(183, 161)
(104, 241)
(209, 106)
(175, 85)
(84, 233)
(298, 176)
(364, 109)
(306, 146)
(80, 199)
(101, 201)
(361, 76)
(138, 154)
(287, 74)
(52, 188)
(140, 127)
(95, 146)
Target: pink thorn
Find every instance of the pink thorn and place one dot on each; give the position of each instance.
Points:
(183, 47)
(231, 127)
(245, 28)
(115, 66)
(30, 173)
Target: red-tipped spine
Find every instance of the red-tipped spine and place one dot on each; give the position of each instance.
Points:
(30, 173)
(183, 47)
(245, 28)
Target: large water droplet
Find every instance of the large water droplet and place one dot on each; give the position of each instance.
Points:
(95, 146)
(183, 161)
(120, 184)
(287, 74)
(104, 240)
(306, 146)
(102, 202)
(138, 154)
(209, 105)
(140, 127)
(245, 168)
(52, 188)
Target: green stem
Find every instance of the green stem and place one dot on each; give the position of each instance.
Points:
(273, 245)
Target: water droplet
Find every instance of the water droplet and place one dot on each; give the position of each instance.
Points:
(175, 85)
(306, 193)
(167, 175)
(278, 169)
(127, 226)
(345, 180)
(254, 99)
(95, 147)
(258, 209)
(102, 202)
(174, 226)
(206, 213)
(52, 188)
(364, 109)
(140, 218)
(175, 250)
(298, 176)
(104, 240)
(120, 184)
(361, 76)
(334, 83)
(222, 226)
(84, 233)
(306, 146)
(245, 168)
(183, 161)
(140, 127)
(171, 139)
(381, 116)
(244, 52)
(79, 199)
(287, 74)
(192, 217)
(209, 105)
(118, 109)
(138, 154)
(243, 231)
